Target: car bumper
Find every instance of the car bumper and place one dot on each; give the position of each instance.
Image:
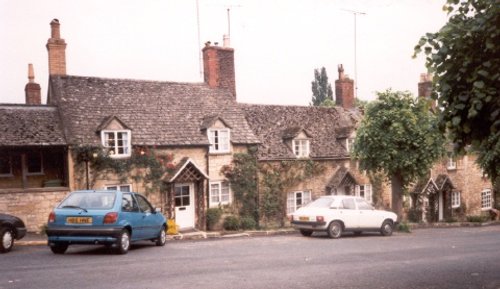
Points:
(309, 225)
(21, 232)
(76, 235)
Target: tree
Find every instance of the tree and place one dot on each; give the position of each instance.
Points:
(398, 136)
(321, 88)
(464, 56)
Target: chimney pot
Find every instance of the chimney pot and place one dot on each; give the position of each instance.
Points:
(32, 89)
(226, 41)
(56, 47)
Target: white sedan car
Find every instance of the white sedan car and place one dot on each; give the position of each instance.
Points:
(336, 214)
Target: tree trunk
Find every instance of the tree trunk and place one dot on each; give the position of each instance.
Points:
(397, 195)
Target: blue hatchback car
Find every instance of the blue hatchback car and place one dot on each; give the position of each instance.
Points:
(112, 218)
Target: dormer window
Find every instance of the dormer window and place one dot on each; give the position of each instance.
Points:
(219, 140)
(117, 142)
(301, 148)
(451, 164)
(349, 144)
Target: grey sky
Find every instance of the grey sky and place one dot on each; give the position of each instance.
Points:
(277, 43)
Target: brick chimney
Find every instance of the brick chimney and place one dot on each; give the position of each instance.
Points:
(344, 90)
(425, 87)
(56, 46)
(32, 89)
(218, 66)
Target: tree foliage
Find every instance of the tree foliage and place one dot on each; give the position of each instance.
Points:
(321, 88)
(399, 137)
(464, 56)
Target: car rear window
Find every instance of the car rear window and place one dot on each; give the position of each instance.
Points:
(87, 200)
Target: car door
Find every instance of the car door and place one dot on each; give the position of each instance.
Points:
(149, 220)
(348, 213)
(131, 213)
(368, 217)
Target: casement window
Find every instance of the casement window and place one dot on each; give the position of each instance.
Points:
(455, 199)
(117, 142)
(123, 188)
(364, 191)
(451, 164)
(349, 144)
(219, 140)
(296, 200)
(220, 194)
(34, 163)
(6, 166)
(486, 199)
(301, 148)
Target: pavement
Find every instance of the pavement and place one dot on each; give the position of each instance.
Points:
(41, 239)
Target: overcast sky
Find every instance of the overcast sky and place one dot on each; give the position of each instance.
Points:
(278, 43)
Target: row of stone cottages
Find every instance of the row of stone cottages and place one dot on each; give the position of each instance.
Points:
(188, 135)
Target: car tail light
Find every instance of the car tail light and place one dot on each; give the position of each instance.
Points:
(320, 219)
(110, 218)
(52, 217)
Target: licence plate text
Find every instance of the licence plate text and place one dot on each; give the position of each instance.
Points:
(79, 220)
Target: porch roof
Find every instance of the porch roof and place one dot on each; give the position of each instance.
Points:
(344, 176)
(186, 165)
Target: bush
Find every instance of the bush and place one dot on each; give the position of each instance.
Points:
(248, 223)
(476, 219)
(213, 217)
(231, 223)
(415, 215)
(404, 227)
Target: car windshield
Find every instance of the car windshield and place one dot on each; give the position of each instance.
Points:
(87, 200)
(321, 203)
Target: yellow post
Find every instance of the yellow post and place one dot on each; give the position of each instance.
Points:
(172, 227)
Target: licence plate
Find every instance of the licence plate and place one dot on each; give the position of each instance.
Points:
(79, 220)
(304, 218)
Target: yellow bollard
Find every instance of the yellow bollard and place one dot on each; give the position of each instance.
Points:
(172, 227)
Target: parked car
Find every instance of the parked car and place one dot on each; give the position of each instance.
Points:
(11, 228)
(112, 218)
(337, 214)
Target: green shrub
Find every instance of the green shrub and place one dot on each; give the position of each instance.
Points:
(404, 227)
(231, 223)
(415, 215)
(476, 219)
(213, 217)
(248, 223)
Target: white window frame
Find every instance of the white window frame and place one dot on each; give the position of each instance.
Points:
(292, 199)
(114, 149)
(486, 199)
(455, 199)
(451, 164)
(349, 143)
(217, 142)
(216, 193)
(118, 187)
(301, 148)
(10, 173)
(367, 192)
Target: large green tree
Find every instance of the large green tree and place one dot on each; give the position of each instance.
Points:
(464, 55)
(321, 88)
(398, 136)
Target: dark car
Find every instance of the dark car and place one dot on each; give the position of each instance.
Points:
(11, 228)
(111, 218)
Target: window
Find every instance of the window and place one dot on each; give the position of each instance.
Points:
(118, 142)
(219, 140)
(219, 193)
(34, 163)
(123, 188)
(363, 205)
(364, 191)
(129, 203)
(144, 205)
(5, 166)
(301, 148)
(348, 204)
(486, 200)
(455, 199)
(349, 143)
(296, 200)
(451, 164)
(182, 196)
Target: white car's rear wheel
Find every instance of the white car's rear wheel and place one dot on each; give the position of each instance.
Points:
(335, 229)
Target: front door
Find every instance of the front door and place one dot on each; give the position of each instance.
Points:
(184, 205)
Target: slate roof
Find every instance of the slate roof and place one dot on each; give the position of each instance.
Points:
(274, 123)
(30, 125)
(342, 173)
(158, 113)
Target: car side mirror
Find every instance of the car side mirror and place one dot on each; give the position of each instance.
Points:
(157, 210)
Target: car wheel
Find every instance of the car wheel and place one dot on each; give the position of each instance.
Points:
(162, 237)
(335, 230)
(6, 240)
(306, 233)
(386, 229)
(59, 248)
(123, 243)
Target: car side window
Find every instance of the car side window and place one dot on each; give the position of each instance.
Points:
(348, 204)
(144, 205)
(363, 205)
(129, 204)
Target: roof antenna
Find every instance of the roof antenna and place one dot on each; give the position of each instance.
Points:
(355, 13)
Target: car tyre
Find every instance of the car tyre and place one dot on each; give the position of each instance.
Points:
(335, 230)
(162, 237)
(306, 233)
(387, 228)
(123, 243)
(6, 240)
(59, 248)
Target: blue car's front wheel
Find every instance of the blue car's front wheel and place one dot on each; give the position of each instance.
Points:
(162, 237)
(123, 243)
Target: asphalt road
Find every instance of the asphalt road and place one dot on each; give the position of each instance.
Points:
(426, 258)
